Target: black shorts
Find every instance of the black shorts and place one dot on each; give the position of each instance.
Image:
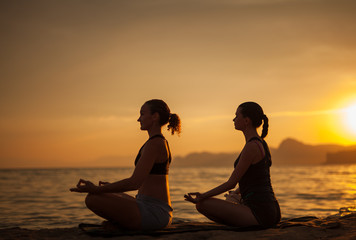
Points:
(264, 207)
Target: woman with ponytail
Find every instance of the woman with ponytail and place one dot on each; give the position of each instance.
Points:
(151, 208)
(253, 203)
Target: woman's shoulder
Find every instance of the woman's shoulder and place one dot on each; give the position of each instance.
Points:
(255, 148)
(253, 145)
(155, 142)
(254, 141)
(157, 139)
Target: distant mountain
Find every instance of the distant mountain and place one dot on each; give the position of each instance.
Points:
(289, 152)
(344, 157)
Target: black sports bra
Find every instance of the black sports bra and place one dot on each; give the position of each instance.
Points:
(157, 168)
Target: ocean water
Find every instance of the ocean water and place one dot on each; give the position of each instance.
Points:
(40, 198)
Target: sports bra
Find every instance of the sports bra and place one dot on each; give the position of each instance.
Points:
(157, 168)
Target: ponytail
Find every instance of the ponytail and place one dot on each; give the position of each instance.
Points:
(174, 124)
(265, 126)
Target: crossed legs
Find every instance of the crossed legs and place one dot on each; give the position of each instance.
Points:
(227, 213)
(123, 209)
(119, 208)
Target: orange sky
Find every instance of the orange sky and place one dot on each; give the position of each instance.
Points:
(74, 74)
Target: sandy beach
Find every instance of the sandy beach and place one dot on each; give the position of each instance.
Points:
(332, 227)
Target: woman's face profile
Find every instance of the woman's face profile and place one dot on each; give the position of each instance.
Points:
(238, 120)
(145, 118)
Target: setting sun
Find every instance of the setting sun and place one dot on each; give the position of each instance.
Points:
(350, 117)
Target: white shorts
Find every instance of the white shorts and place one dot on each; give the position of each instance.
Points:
(155, 213)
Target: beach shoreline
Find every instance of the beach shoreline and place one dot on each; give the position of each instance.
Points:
(332, 227)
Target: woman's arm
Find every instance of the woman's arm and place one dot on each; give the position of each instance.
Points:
(230, 184)
(148, 156)
(249, 155)
(226, 186)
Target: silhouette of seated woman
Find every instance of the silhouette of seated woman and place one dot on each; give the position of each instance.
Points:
(253, 203)
(151, 208)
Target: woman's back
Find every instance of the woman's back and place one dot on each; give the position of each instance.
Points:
(257, 177)
(157, 183)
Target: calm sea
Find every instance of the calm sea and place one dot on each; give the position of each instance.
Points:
(40, 198)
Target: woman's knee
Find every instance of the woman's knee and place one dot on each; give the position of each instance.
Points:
(91, 200)
(201, 205)
(209, 206)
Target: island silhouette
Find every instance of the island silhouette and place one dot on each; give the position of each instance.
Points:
(289, 152)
